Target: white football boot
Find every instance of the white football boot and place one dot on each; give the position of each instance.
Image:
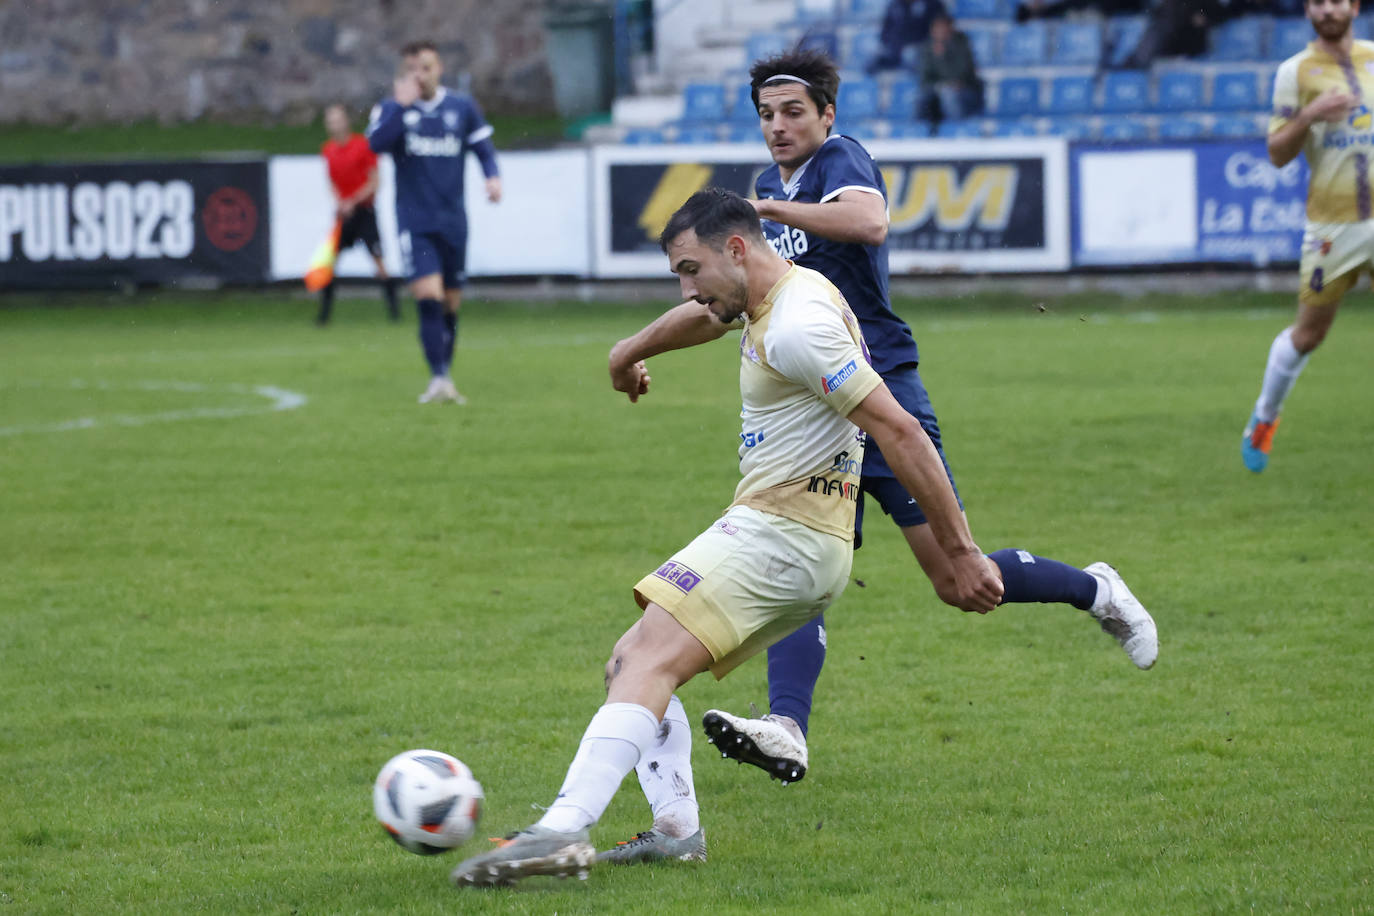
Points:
(1125, 618)
(774, 744)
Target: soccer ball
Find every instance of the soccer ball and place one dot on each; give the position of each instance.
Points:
(428, 801)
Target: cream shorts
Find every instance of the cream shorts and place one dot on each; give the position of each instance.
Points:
(1333, 257)
(748, 581)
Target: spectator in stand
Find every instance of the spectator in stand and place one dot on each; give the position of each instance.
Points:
(1049, 9)
(950, 86)
(1178, 28)
(905, 22)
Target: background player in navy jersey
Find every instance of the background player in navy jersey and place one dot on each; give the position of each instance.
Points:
(823, 205)
(353, 176)
(429, 130)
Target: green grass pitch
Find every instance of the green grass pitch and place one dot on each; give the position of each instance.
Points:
(220, 619)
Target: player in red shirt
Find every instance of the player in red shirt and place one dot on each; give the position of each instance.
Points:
(353, 176)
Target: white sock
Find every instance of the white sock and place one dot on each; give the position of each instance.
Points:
(615, 739)
(1282, 370)
(665, 775)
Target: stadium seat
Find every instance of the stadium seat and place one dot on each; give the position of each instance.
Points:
(968, 127)
(764, 44)
(1180, 90)
(823, 40)
(978, 9)
(643, 136)
(1017, 95)
(862, 10)
(697, 133)
(1289, 36)
(1236, 126)
(1076, 44)
(1235, 91)
(861, 49)
(1026, 45)
(902, 97)
(1019, 127)
(742, 110)
(985, 44)
(1363, 28)
(703, 103)
(1123, 130)
(857, 100)
(1123, 34)
(1238, 39)
(739, 132)
(910, 130)
(1181, 128)
(1071, 95)
(862, 130)
(1125, 91)
(1069, 128)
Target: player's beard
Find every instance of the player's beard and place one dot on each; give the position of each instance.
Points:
(729, 307)
(1333, 28)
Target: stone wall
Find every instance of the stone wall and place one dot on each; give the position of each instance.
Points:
(83, 61)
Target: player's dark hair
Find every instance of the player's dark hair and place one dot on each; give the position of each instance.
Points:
(714, 214)
(415, 47)
(812, 65)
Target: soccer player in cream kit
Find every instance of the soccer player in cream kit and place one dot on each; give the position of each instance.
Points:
(1322, 99)
(429, 130)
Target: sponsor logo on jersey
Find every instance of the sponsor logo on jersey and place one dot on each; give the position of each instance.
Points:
(752, 439)
(844, 464)
(1360, 118)
(678, 575)
(726, 527)
(447, 145)
(828, 486)
(789, 242)
(831, 383)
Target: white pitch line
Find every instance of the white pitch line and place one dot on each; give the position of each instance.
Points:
(278, 399)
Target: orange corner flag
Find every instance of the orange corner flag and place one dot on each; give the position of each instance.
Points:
(321, 271)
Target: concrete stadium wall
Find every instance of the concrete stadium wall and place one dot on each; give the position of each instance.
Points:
(85, 61)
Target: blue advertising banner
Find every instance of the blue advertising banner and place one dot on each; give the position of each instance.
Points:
(1205, 203)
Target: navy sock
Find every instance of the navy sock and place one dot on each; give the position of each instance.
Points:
(794, 664)
(432, 334)
(450, 337)
(1027, 578)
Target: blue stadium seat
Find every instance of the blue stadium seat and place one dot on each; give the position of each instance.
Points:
(862, 130)
(764, 44)
(1076, 44)
(1235, 91)
(902, 96)
(968, 127)
(910, 130)
(978, 9)
(862, 10)
(742, 110)
(823, 40)
(739, 132)
(1071, 95)
(642, 136)
(1026, 45)
(1019, 127)
(1017, 95)
(1238, 39)
(1123, 34)
(697, 133)
(857, 100)
(1069, 128)
(863, 46)
(1237, 126)
(1125, 91)
(1180, 90)
(1124, 130)
(1180, 127)
(985, 45)
(1364, 28)
(1289, 36)
(703, 103)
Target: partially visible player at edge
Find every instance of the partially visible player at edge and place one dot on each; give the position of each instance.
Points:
(429, 130)
(823, 204)
(780, 554)
(352, 170)
(1321, 108)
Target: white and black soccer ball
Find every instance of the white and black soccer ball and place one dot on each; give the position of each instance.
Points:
(428, 801)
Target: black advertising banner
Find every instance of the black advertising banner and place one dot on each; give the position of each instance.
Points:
(144, 223)
(952, 205)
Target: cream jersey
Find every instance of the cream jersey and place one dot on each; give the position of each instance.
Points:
(803, 369)
(1340, 155)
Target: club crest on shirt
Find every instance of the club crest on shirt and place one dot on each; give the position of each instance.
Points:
(451, 120)
(411, 118)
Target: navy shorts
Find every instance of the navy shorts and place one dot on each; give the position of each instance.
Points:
(878, 481)
(443, 252)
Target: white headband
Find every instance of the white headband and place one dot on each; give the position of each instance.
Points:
(786, 76)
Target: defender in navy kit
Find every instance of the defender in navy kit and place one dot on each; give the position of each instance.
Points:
(429, 130)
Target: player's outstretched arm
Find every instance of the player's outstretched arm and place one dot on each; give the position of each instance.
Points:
(912, 457)
(685, 325)
(853, 216)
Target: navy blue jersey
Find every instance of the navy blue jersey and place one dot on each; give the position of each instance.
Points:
(429, 142)
(859, 271)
